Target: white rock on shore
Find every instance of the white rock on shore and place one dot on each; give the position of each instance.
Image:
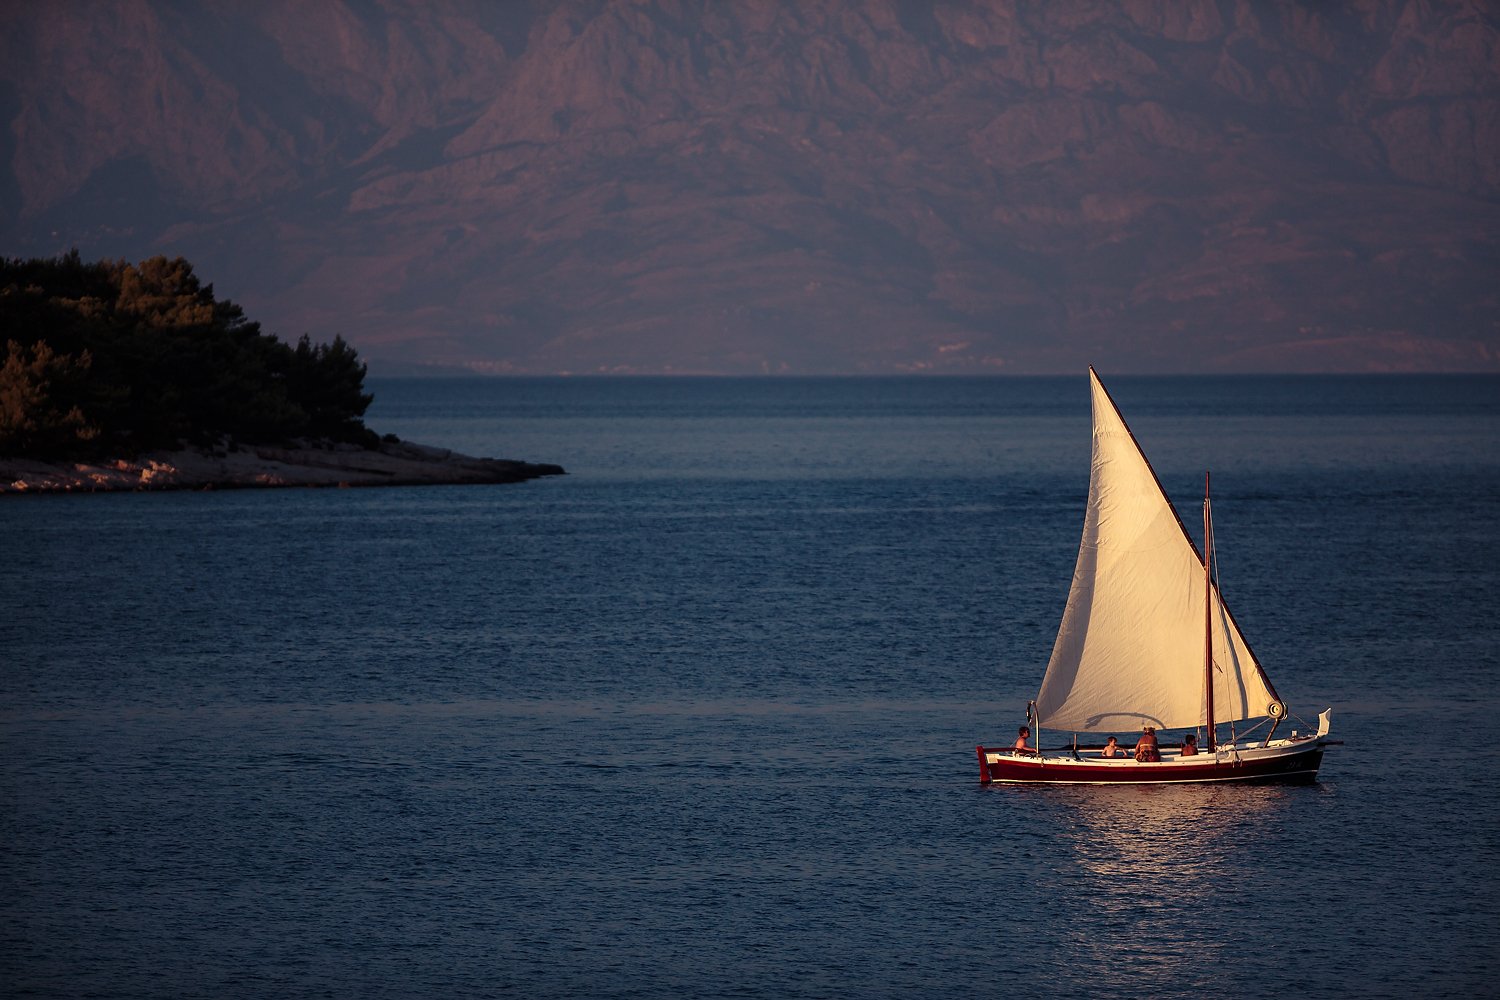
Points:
(392, 464)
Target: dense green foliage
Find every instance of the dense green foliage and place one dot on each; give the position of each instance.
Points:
(112, 357)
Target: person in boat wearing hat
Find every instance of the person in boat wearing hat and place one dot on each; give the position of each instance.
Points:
(1146, 750)
(1190, 745)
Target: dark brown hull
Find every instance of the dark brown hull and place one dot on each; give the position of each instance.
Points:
(1285, 761)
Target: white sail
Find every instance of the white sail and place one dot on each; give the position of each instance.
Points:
(1130, 648)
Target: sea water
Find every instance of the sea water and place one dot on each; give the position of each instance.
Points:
(698, 719)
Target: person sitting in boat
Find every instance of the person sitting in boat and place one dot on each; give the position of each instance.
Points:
(1146, 750)
(1022, 735)
(1190, 745)
(1111, 748)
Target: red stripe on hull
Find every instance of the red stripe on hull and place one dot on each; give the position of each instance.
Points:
(1299, 765)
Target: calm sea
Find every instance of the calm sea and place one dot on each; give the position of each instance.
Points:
(698, 719)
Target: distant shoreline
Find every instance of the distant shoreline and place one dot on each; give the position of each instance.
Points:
(264, 467)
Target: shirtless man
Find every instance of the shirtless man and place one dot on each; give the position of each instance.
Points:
(1022, 735)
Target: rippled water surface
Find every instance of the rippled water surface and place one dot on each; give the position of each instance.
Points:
(698, 719)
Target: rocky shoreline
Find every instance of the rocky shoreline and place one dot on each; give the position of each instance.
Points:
(261, 467)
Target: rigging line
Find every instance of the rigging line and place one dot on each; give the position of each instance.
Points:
(1216, 589)
(1246, 734)
(1232, 667)
(1301, 721)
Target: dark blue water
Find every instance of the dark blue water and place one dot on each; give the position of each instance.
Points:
(698, 719)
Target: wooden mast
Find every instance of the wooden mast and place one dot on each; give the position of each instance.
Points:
(1208, 616)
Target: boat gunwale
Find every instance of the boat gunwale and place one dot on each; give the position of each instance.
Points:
(1306, 774)
(1304, 757)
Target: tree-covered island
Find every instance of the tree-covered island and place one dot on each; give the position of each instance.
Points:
(105, 363)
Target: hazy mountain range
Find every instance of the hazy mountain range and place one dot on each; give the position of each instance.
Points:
(743, 186)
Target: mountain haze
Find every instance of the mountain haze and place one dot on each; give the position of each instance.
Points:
(1205, 185)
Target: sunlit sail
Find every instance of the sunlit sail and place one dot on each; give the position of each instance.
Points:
(1146, 639)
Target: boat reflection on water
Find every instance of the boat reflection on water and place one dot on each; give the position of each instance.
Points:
(1161, 872)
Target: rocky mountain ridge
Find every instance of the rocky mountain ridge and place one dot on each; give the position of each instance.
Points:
(775, 187)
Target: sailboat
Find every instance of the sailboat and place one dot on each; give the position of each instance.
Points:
(1147, 645)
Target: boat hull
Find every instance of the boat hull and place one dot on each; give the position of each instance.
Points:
(1284, 761)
